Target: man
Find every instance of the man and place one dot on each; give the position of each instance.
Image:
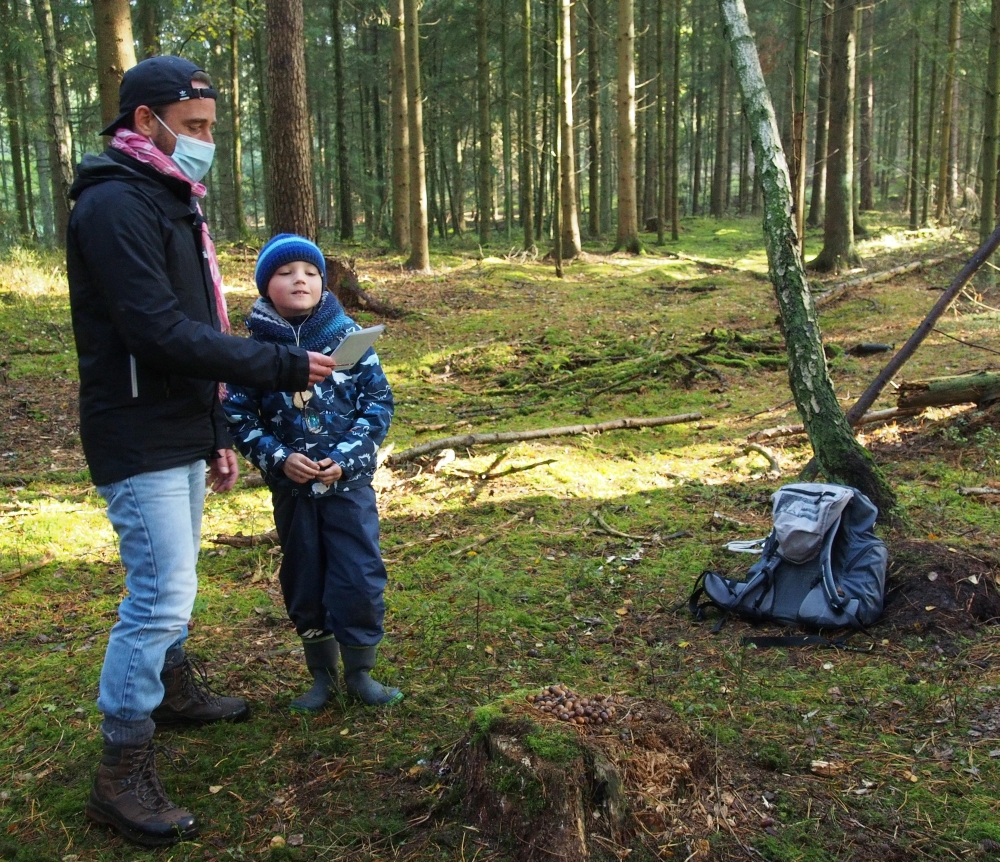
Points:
(148, 318)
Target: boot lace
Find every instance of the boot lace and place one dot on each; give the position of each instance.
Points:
(148, 789)
(195, 684)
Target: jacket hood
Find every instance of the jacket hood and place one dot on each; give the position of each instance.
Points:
(112, 165)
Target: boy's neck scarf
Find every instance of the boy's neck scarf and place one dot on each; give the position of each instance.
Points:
(327, 321)
(142, 149)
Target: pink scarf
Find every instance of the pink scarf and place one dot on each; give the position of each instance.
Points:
(142, 149)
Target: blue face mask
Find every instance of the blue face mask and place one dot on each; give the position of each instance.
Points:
(192, 156)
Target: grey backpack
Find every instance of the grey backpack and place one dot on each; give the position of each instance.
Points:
(822, 566)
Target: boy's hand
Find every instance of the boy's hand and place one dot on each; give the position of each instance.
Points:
(321, 366)
(330, 471)
(299, 468)
(223, 471)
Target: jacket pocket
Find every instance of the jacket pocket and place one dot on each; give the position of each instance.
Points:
(134, 374)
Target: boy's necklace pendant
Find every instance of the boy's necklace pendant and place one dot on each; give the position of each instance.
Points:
(300, 399)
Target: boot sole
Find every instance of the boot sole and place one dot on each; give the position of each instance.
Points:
(177, 720)
(137, 836)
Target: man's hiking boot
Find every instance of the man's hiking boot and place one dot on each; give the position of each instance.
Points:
(322, 657)
(189, 699)
(358, 663)
(128, 796)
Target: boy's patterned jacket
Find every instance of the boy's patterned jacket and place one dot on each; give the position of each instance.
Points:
(345, 417)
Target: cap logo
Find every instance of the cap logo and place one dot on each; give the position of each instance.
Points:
(183, 96)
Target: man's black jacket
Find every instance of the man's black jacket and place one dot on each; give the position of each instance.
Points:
(146, 326)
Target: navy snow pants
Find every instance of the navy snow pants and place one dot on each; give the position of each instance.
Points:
(332, 575)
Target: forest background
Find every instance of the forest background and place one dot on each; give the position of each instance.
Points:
(460, 154)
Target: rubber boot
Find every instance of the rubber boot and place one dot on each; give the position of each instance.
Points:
(128, 796)
(322, 657)
(358, 663)
(189, 699)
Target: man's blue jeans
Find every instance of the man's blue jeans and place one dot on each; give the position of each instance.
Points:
(157, 517)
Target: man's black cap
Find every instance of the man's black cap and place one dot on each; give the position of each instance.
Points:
(157, 81)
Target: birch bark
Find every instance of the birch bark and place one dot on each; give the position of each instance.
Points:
(841, 458)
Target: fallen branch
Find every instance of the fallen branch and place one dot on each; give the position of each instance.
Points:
(842, 288)
(260, 540)
(482, 540)
(14, 574)
(469, 440)
(979, 492)
(868, 419)
(772, 460)
(611, 531)
(981, 389)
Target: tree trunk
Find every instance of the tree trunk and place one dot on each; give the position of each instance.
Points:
(840, 456)
(699, 99)
(593, 123)
(220, 203)
(399, 113)
(60, 143)
(717, 202)
(557, 188)
(419, 260)
(800, 78)
(289, 186)
(661, 131)
(508, 167)
(567, 166)
(483, 184)
(258, 42)
(13, 122)
(866, 109)
(675, 125)
(943, 202)
(149, 27)
(838, 226)
(628, 216)
(527, 136)
(931, 115)
(818, 200)
(40, 148)
(378, 145)
(115, 51)
(915, 132)
(21, 107)
(991, 130)
(236, 120)
(340, 129)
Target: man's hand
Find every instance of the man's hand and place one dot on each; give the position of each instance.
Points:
(299, 468)
(223, 471)
(329, 471)
(320, 367)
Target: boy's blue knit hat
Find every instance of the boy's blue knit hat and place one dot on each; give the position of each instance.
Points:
(282, 249)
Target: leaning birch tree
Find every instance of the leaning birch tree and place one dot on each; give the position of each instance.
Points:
(841, 458)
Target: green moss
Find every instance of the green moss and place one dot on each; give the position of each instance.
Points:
(554, 746)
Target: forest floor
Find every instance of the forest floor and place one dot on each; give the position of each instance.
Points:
(567, 560)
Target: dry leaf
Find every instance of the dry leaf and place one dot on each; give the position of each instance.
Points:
(295, 840)
(215, 788)
(827, 768)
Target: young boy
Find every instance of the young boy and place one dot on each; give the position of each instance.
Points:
(316, 450)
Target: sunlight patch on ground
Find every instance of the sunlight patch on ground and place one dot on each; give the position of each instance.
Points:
(31, 272)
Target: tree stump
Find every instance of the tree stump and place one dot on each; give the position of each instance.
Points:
(539, 788)
(342, 281)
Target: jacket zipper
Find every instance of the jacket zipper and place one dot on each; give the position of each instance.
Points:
(135, 376)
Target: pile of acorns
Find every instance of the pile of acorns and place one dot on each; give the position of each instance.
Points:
(566, 705)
